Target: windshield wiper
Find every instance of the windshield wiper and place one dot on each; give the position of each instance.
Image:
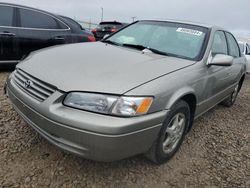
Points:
(141, 47)
(136, 46)
(157, 51)
(111, 42)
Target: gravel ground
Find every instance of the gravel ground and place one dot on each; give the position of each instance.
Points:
(216, 153)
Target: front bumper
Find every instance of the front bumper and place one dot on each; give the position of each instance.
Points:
(93, 136)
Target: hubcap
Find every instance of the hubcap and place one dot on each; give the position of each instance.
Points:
(234, 95)
(174, 132)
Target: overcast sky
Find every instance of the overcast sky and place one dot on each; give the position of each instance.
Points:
(231, 14)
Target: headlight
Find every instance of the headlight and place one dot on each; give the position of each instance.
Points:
(109, 104)
(90, 102)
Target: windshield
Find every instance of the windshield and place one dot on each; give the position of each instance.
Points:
(173, 39)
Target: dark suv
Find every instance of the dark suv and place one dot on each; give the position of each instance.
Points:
(105, 28)
(24, 29)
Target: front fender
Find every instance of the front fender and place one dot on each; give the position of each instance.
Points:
(177, 95)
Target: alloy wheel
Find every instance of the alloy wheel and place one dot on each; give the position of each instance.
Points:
(174, 132)
(235, 93)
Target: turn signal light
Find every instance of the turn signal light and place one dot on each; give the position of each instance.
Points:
(144, 106)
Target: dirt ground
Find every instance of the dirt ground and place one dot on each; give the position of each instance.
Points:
(216, 153)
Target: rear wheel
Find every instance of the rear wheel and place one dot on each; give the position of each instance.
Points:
(228, 102)
(172, 134)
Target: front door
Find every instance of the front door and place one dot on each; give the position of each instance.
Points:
(217, 77)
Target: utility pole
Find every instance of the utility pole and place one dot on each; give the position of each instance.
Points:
(102, 13)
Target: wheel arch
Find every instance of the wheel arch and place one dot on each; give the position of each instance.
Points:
(189, 97)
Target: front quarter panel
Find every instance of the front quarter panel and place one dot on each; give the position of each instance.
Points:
(170, 88)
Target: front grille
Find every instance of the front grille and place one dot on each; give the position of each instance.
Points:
(32, 86)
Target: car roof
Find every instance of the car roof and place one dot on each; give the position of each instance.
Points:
(27, 7)
(188, 22)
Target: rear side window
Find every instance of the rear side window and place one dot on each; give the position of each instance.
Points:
(73, 22)
(247, 49)
(34, 19)
(233, 46)
(219, 43)
(6, 15)
(242, 47)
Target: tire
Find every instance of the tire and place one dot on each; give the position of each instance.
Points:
(166, 145)
(228, 102)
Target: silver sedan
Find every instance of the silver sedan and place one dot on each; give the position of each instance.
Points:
(137, 91)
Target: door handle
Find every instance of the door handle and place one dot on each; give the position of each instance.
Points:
(7, 34)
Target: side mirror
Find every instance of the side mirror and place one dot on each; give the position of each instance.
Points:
(221, 60)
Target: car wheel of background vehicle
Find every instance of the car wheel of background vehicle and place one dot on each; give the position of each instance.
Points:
(228, 102)
(172, 133)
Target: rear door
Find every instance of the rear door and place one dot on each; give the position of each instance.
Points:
(234, 51)
(9, 50)
(39, 30)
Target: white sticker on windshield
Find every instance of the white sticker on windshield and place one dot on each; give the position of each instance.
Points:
(189, 31)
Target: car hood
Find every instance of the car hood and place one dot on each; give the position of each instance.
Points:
(98, 67)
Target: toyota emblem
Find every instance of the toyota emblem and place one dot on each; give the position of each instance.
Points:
(27, 84)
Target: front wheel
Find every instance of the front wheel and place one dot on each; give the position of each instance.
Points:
(172, 133)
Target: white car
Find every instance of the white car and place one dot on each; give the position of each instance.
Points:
(245, 49)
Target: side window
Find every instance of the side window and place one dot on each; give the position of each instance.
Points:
(233, 46)
(242, 47)
(247, 49)
(6, 15)
(34, 19)
(219, 44)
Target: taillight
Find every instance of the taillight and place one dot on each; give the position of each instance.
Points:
(114, 30)
(91, 38)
